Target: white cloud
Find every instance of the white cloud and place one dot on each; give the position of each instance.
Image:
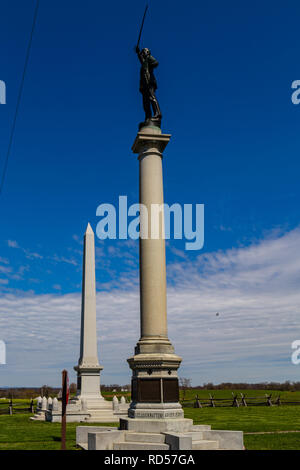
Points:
(12, 244)
(5, 269)
(28, 254)
(255, 289)
(63, 259)
(32, 255)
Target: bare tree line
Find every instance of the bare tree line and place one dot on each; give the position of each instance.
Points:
(184, 383)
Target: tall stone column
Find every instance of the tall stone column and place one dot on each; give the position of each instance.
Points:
(88, 368)
(155, 392)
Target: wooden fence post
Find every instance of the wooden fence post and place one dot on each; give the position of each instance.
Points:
(243, 399)
(278, 401)
(197, 403)
(64, 402)
(235, 401)
(10, 407)
(269, 401)
(212, 404)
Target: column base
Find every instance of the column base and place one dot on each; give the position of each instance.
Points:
(154, 387)
(155, 364)
(154, 345)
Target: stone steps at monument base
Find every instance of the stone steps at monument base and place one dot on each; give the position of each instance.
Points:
(100, 418)
(103, 416)
(205, 445)
(144, 437)
(195, 435)
(201, 427)
(140, 446)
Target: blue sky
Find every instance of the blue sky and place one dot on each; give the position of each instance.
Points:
(224, 80)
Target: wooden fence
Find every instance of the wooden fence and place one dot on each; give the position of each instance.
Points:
(10, 408)
(237, 400)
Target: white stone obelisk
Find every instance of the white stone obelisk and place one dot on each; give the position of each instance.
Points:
(88, 368)
(88, 405)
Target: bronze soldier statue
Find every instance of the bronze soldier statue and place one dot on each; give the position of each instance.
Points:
(148, 86)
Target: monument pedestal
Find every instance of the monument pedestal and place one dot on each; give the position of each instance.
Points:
(155, 417)
(154, 386)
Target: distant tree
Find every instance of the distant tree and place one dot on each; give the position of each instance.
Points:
(209, 386)
(184, 384)
(284, 387)
(46, 391)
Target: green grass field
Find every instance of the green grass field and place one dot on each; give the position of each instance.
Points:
(18, 432)
(255, 420)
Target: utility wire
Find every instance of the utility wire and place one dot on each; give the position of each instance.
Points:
(19, 97)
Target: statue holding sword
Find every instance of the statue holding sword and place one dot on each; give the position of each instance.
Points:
(148, 84)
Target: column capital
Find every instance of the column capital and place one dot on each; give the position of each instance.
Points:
(148, 136)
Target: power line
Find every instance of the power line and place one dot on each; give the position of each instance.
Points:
(19, 97)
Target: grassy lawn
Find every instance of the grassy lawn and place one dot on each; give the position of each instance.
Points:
(18, 432)
(254, 419)
(250, 419)
(290, 441)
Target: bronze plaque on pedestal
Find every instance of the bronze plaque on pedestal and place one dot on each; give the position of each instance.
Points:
(170, 390)
(148, 391)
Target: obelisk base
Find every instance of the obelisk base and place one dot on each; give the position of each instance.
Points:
(89, 397)
(88, 385)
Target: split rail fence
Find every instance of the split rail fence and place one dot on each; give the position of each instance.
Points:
(237, 400)
(10, 408)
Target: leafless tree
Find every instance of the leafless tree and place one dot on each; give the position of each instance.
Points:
(184, 384)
